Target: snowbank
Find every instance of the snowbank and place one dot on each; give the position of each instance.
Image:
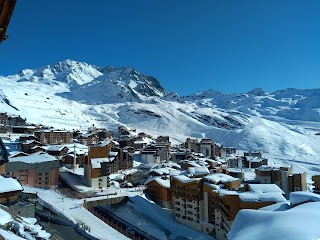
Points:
(300, 222)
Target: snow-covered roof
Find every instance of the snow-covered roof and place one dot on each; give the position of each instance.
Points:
(210, 160)
(235, 170)
(34, 158)
(9, 185)
(185, 179)
(194, 164)
(302, 197)
(220, 178)
(198, 170)
(140, 142)
(265, 168)
(76, 146)
(85, 135)
(261, 197)
(162, 182)
(113, 154)
(117, 176)
(14, 153)
(55, 148)
(174, 172)
(265, 188)
(300, 222)
(172, 164)
(160, 171)
(95, 162)
(102, 143)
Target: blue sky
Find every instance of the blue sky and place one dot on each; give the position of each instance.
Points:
(189, 46)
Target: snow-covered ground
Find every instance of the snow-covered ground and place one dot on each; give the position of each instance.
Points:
(158, 222)
(26, 228)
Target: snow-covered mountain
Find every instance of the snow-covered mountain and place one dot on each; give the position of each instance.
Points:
(291, 104)
(73, 94)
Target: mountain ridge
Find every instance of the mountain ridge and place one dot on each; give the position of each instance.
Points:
(76, 95)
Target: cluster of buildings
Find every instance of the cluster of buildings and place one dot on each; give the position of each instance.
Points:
(10, 122)
(208, 191)
(35, 158)
(202, 181)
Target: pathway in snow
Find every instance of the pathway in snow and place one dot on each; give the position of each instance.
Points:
(73, 210)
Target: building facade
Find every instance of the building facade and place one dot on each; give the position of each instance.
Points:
(36, 170)
(158, 189)
(54, 136)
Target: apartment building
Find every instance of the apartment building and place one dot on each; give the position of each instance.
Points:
(96, 166)
(163, 150)
(4, 119)
(297, 182)
(210, 204)
(207, 147)
(234, 161)
(163, 139)
(88, 139)
(282, 177)
(102, 161)
(27, 145)
(158, 189)
(192, 144)
(35, 170)
(187, 200)
(230, 151)
(234, 172)
(219, 150)
(54, 136)
(254, 161)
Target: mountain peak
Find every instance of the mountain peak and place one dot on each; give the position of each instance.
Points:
(257, 92)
